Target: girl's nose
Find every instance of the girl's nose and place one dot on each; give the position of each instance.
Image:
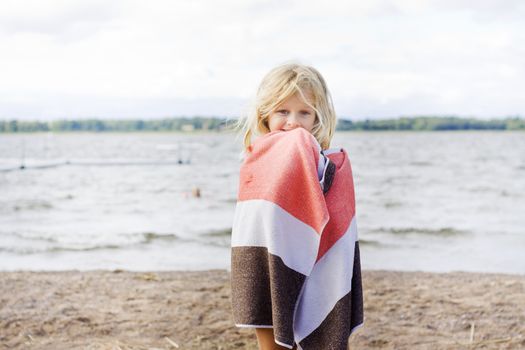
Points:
(292, 120)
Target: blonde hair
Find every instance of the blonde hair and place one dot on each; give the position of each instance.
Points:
(281, 83)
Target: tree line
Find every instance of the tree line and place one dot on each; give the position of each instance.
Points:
(433, 124)
(189, 124)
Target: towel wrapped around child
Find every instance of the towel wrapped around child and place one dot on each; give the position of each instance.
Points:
(295, 263)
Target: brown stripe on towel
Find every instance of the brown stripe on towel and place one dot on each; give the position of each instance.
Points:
(347, 313)
(257, 278)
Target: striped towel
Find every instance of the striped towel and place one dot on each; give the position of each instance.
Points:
(295, 263)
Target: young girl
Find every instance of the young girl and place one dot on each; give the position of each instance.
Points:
(296, 84)
(295, 270)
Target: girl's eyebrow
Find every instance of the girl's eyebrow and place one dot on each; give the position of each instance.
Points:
(306, 107)
(300, 110)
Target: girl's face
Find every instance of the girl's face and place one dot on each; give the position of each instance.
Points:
(293, 113)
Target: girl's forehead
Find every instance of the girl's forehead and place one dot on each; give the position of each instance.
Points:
(297, 98)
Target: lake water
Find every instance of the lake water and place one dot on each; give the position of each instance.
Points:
(432, 201)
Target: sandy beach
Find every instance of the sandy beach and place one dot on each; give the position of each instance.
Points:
(191, 310)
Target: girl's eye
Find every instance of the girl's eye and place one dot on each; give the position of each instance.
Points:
(282, 111)
(306, 113)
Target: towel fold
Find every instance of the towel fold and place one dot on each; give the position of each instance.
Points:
(295, 252)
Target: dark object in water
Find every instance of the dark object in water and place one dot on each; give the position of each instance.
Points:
(196, 192)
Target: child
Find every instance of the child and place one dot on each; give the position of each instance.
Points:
(295, 270)
(285, 81)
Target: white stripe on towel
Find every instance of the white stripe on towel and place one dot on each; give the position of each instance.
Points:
(261, 223)
(334, 269)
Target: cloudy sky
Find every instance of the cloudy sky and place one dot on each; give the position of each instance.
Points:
(152, 59)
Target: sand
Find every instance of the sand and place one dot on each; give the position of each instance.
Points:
(191, 310)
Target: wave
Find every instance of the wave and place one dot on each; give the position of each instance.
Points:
(116, 162)
(33, 243)
(444, 231)
(219, 233)
(55, 249)
(392, 204)
(230, 200)
(152, 236)
(370, 243)
(421, 163)
(218, 238)
(480, 189)
(33, 205)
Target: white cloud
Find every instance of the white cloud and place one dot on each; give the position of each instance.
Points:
(379, 57)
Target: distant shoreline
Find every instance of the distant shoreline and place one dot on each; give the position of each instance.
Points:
(216, 124)
(133, 310)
